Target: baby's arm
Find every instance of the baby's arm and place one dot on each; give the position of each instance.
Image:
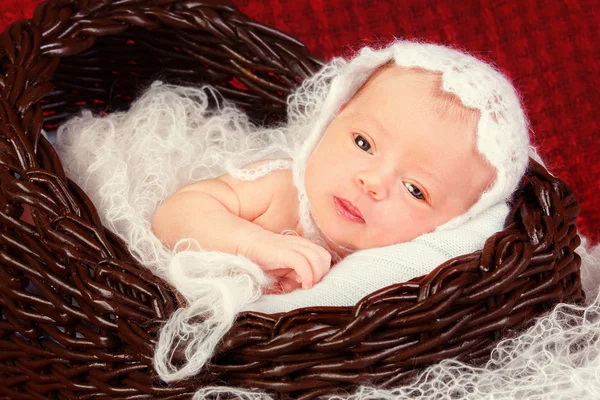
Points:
(207, 211)
(217, 214)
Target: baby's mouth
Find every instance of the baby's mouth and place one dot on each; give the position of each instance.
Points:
(347, 210)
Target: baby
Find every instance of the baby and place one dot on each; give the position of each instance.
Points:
(400, 158)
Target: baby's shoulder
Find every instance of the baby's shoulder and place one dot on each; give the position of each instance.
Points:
(282, 211)
(273, 191)
(279, 178)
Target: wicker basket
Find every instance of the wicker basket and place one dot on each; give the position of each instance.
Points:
(80, 317)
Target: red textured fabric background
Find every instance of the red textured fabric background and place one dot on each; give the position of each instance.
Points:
(549, 49)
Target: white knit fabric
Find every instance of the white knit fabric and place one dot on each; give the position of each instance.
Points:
(130, 162)
(366, 271)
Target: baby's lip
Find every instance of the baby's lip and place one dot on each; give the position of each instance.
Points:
(348, 210)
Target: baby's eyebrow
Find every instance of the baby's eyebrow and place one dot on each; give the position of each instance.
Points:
(434, 184)
(370, 120)
(431, 174)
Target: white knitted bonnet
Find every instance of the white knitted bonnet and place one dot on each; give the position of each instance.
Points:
(502, 130)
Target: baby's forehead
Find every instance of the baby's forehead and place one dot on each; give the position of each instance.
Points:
(390, 72)
(424, 84)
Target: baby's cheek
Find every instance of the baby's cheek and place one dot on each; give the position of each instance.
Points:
(400, 226)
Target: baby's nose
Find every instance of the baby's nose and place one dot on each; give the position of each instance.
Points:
(376, 185)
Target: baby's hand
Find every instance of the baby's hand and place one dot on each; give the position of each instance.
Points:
(285, 284)
(292, 257)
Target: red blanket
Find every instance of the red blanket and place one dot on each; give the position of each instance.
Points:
(550, 50)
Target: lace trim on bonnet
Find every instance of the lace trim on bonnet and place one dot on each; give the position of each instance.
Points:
(502, 130)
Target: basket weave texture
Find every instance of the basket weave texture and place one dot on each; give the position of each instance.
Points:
(80, 317)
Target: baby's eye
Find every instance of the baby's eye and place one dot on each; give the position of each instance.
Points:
(362, 143)
(414, 191)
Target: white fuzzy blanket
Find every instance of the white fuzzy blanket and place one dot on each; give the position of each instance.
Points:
(130, 162)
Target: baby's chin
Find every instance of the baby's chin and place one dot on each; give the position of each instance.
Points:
(335, 238)
(340, 250)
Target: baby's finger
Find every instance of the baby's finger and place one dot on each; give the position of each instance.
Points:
(287, 274)
(321, 259)
(293, 275)
(326, 260)
(300, 264)
(288, 285)
(280, 272)
(318, 262)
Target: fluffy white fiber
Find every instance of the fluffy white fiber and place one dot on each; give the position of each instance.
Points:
(130, 162)
(216, 288)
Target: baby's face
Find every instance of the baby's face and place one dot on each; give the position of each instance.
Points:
(397, 161)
